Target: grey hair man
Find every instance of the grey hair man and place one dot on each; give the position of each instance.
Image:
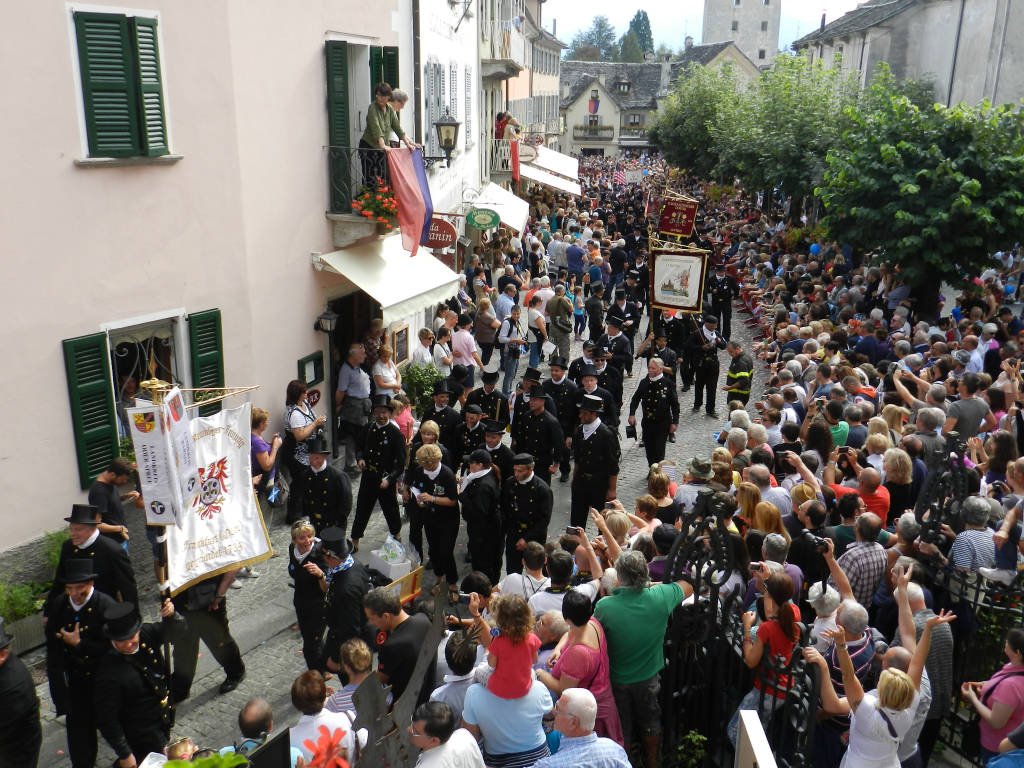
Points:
(575, 716)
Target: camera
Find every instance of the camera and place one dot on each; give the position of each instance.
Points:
(571, 530)
(820, 543)
(464, 598)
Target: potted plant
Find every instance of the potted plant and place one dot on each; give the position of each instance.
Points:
(378, 205)
(419, 385)
(20, 606)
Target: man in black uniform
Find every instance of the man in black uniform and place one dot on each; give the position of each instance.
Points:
(595, 450)
(447, 421)
(723, 289)
(75, 644)
(479, 496)
(20, 732)
(660, 413)
(622, 317)
(521, 403)
(636, 292)
(501, 454)
(565, 394)
(382, 461)
(740, 373)
(608, 376)
(492, 403)
(133, 708)
(114, 574)
(344, 584)
(327, 490)
(587, 358)
(469, 435)
(590, 386)
(702, 349)
(525, 510)
(594, 307)
(656, 345)
(540, 435)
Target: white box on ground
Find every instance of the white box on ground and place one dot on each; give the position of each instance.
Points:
(393, 570)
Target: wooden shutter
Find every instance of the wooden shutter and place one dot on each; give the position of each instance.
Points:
(105, 55)
(91, 392)
(376, 69)
(467, 116)
(340, 150)
(390, 65)
(453, 91)
(153, 131)
(207, 352)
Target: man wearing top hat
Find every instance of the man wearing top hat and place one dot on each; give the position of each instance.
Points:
(382, 461)
(625, 313)
(469, 435)
(589, 386)
(492, 403)
(75, 644)
(20, 732)
(594, 307)
(565, 393)
(656, 345)
(722, 289)
(327, 491)
(587, 358)
(479, 496)
(501, 454)
(520, 406)
(344, 583)
(595, 451)
(525, 510)
(114, 574)
(539, 434)
(132, 697)
(618, 345)
(702, 349)
(608, 376)
(636, 292)
(659, 409)
(447, 420)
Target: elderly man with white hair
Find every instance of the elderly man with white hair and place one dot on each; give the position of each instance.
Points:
(575, 714)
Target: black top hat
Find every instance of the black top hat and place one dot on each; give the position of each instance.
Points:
(712, 319)
(334, 542)
(458, 374)
(597, 287)
(592, 403)
(122, 621)
(532, 375)
(441, 387)
(381, 401)
(588, 370)
(537, 392)
(522, 460)
(318, 444)
(493, 427)
(489, 377)
(589, 344)
(612, 320)
(720, 267)
(84, 514)
(633, 275)
(76, 571)
(480, 456)
(619, 294)
(5, 639)
(558, 360)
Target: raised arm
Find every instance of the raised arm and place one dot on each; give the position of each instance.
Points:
(838, 575)
(851, 684)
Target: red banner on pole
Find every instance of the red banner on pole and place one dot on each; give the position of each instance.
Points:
(677, 217)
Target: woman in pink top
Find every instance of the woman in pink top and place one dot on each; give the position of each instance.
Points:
(514, 651)
(464, 351)
(999, 701)
(581, 661)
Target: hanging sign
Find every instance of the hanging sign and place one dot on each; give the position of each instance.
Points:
(482, 218)
(527, 153)
(677, 217)
(442, 234)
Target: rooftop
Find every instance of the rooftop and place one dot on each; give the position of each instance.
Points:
(864, 16)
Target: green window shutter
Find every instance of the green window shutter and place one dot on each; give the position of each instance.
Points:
(91, 392)
(207, 353)
(376, 69)
(108, 84)
(390, 65)
(340, 153)
(151, 96)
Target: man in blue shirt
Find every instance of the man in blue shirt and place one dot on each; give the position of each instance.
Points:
(352, 403)
(575, 715)
(574, 260)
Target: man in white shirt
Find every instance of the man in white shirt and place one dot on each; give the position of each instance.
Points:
(545, 292)
(442, 745)
(532, 580)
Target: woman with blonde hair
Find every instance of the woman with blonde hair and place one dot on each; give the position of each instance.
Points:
(895, 417)
(386, 376)
(722, 454)
(748, 496)
(768, 519)
(435, 495)
(899, 475)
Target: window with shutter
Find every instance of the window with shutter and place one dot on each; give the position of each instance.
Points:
(467, 116)
(122, 87)
(376, 69)
(207, 353)
(91, 392)
(390, 65)
(339, 153)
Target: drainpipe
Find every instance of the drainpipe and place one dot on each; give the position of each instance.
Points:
(417, 70)
(999, 59)
(956, 50)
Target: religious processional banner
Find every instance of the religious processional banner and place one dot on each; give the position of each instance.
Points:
(677, 217)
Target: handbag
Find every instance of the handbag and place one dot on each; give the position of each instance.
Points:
(971, 741)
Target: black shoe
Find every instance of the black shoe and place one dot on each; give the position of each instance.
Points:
(686, 387)
(713, 414)
(696, 408)
(231, 683)
(564, 478)
(671, 438)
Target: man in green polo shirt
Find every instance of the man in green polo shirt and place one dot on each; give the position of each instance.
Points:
(634, 618)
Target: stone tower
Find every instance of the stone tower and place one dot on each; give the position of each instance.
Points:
(752, 24)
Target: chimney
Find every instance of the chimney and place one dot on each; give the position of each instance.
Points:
(554, 27)
(688, 42)
(822, 22)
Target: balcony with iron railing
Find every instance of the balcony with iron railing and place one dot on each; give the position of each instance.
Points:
(500, 161)
(593, 132)
(503, 49)
(632, 131)
(350, 172)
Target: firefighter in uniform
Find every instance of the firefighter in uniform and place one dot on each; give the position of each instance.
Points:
(327, 491)
(492, 403)
(595, 450)
(723, 289)
(501, 454)
(587, 358)
(656, 395)
(540, 435)
(75, 645)
(565, 394)
(609, 377)
(525, 510)
(741, 370)
(133, 708)
(702, 349)
(382, 461)
(469, 435)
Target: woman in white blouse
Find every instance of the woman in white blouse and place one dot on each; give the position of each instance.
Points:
(385, 373)
(443, 351)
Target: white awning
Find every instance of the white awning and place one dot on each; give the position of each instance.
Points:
(401, 284)
(512, 210)
(549, 179)
(556, 162)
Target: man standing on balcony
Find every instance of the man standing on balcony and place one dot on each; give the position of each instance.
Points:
(381, 120)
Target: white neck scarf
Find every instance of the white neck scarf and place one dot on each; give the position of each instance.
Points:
(80, 606)
(92, 538)
(524, 482)
(591, 428)
(467, 479)
(656, 378)
(709, 335)
(432, 474)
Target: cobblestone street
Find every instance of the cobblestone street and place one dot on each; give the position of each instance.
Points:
(261, 613)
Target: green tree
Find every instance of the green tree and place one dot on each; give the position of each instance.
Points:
(601, 35)
(640, 26)
(662, 50)
(935, 190)
(629, 49)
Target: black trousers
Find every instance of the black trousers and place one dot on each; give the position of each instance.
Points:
(724, 314)
(21, 747)
(588, 490)
(310, 615)
(370, 492)
(296, 488)
(81, 723)
(564, 454)
(705, 378)
(485, 541)
(212, 628)
(685, 372)
(414, 515)
(144, 741)
(513, 556)
(442, 527)
(655, 436)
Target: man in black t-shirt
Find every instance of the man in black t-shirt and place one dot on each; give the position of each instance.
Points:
(399, 641)
(106, 497)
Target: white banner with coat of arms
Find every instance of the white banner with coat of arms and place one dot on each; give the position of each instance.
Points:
(222, 529)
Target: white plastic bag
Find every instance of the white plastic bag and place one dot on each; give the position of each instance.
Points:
(392, 550)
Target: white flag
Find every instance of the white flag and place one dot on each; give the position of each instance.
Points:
(182, 448)
(159, 490)
(222, 529)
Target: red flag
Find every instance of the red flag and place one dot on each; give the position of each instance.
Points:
(412, 206)
(593, 105)
(514, 147)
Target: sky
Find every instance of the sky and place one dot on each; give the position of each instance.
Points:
(673, 20)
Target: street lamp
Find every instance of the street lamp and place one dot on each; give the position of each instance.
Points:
(447, 129)
(326, 322)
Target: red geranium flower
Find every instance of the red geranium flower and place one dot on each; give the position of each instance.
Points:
(326, 749)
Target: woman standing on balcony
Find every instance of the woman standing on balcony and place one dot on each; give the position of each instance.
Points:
(381, 120)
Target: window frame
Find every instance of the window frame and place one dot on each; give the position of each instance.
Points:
(85, 156)
(735, 26)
